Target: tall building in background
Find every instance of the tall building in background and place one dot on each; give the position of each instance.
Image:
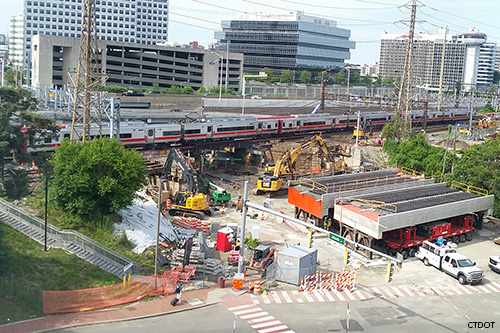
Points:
(285, 42)
(135, 21)
(468, 59)
(16, 40)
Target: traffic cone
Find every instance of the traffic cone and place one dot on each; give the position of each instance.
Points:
(32, 165)
(250, 286)
(183, 215)
(223, 206)
(262, 216)
(22, 165)
(301, 285)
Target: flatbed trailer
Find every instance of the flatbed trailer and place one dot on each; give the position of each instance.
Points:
(407, 240)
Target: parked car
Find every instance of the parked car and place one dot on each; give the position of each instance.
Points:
(494, 263)
(175, 110)
(256, 97)
(153, 92)
(132, 93)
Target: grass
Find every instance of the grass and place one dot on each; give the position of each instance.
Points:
(26, 269)
(101, 231)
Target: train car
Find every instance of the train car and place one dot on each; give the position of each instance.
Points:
(315, 122)
(287, 124)
(196, 131)
(222, 129)
(162, 133)
(268, 126)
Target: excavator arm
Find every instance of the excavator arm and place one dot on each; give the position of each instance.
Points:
(176, 156)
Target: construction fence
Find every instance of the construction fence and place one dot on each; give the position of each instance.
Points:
(126, 292)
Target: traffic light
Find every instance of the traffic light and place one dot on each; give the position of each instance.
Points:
(390, 272)
(347, 258)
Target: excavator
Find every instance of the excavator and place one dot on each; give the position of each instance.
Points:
(277, 174)
(192, 202)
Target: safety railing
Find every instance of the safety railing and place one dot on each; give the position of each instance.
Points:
(65, 237)
(468, 188)
(313, 184)
(374, 204)
(411, 172)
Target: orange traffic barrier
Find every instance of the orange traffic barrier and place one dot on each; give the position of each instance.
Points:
(237, 284)
(205, 228)
(198, 225)
(193, 223)
(256, 289)
(169, 204)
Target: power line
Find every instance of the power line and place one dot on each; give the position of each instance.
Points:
(195, 18)
(332, 7)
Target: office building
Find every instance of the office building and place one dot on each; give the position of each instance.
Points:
(285, 42)
(134, 65)
(134, 21)
(461, 59)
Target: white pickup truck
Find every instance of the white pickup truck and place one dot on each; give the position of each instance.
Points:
(447, 259)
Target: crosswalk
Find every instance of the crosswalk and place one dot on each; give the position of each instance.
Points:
(258, 319)
(293, 296)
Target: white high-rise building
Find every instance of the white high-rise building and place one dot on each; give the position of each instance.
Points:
(468, 59)
(135, 21)
(16, 40)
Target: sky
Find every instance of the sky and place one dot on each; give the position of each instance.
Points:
(197, 20)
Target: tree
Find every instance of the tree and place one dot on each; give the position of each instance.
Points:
(339, 78)
(202, 90)
(496, 77)
(286, 76)
(93, 178)
(187, 90)
(354, 77)
(479, 166)
(20, 125)
(487, 109)
(305, 76)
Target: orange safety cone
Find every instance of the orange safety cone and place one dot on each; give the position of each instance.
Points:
(223, 206)
(183, 215)
(250, 286)
(22, 165)
(301, 285)
(256, 289)
(32, 165)
(262, 216)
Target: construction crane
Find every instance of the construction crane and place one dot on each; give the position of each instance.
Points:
(278, 173)
(192, 202)
(87, 80)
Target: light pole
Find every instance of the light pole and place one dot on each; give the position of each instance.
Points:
(46, 204)
(348, 89)
(132, 79)
(227, 65)
(262, 75)
(221, 61)
(158, 232)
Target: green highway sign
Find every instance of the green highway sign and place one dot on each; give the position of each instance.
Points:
(336, 238)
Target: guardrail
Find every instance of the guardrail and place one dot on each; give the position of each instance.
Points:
(65, 237)
(469, 188)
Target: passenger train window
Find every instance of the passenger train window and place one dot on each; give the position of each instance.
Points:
(47, 140)
(209, 129)
(125, 135)
(167, 133)
(67, 135)
(268, 126)
(192, 131)
(151, 132)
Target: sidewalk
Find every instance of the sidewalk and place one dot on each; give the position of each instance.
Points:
(147, 308)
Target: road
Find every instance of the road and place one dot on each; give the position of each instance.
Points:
(445, 313)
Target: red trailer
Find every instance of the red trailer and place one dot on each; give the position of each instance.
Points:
(407, 240)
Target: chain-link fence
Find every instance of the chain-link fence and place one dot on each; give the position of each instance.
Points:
(27, 295)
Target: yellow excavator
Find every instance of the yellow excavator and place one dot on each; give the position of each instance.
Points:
(278, 173)
(192, 202)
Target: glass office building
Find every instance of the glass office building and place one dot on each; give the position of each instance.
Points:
(285, 42)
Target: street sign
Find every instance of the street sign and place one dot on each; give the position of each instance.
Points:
(336, 238)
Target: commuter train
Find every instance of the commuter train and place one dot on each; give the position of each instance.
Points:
(138, 134)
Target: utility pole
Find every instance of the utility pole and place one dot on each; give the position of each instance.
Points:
(405, 90)
(87, 97)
